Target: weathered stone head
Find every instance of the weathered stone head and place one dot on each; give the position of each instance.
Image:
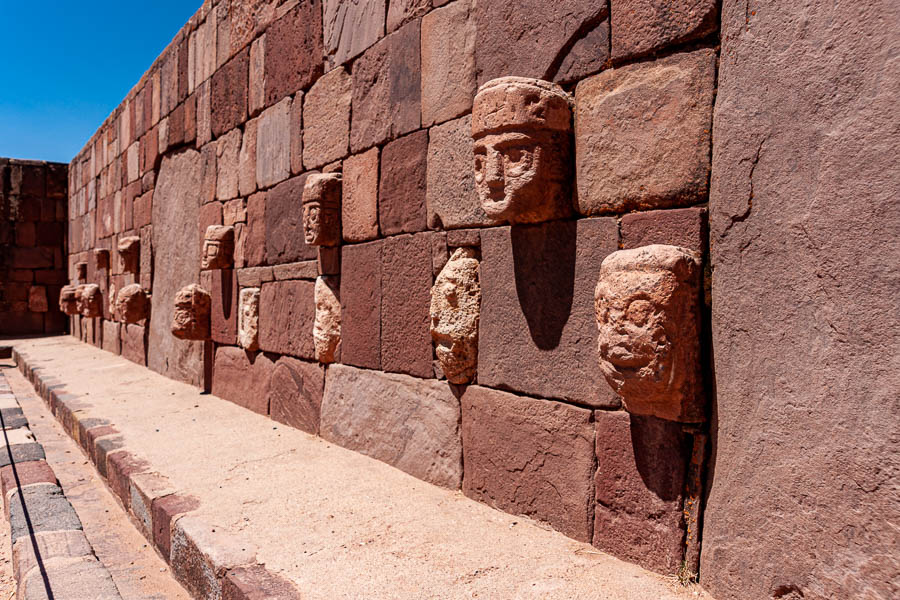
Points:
(327, 325)
(81, 271)
(132, 304)
(101, 258)
(322, 209)
(455, 312)
(218, 248)
(129, 254)
(68, 300)
(648, 315)
(91, 301)
(522, 129)
(248, 319)
(191, 318)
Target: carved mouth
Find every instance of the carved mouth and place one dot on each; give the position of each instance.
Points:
(625, 358)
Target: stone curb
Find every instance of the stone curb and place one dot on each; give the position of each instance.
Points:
(48, 543)
(209, 564)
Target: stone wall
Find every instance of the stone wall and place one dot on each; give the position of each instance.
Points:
(252, 97)
(32, 246)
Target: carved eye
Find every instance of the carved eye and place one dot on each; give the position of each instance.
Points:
(514, 155)
(639, 312)
(479, 167)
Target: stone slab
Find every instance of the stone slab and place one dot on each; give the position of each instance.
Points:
(287, 311)
(361, 305)
(295, 393)
(47, 510)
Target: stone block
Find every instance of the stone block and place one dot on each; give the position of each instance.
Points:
(527, 38)
(145, 488)
(588, 55)
(201, 555)
(351, 27)
(228, 150)
(273, 145)
(529, 456)
(133, 347)
(243, 378)
(256, 95)
(48, 510)
(386, 89)
(208, 174)
(538, 332)
(112, 341)
(684, 227)
(50, 545)
(119, 468)
(663, 107)
(234, 211)
(295, 393)
(326, 108)
(293, 51)
(406, 278)
(411, 424)
(165, 510)
(296, 133)
(359, 200)
(298, 270)
(448, 63)
(69, 576)
(361, 305)
(13, 418)
(247, 159)
(284, 241)
(401, 193)
(26, 473)
(639, 489)
(257, 583)
(450, 195)
(37, 299)
(640, 27)
(403, 11)
(223, 291)
(286, 317)
(251, 246)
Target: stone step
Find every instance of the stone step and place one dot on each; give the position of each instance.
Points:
(242, 507)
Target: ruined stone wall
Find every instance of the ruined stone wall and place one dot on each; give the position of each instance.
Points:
(252, 97)
(32, 246)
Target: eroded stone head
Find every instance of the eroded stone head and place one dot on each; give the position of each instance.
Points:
(322, 209)
(132, 304)
(522, 132)
(647, 304)
(455, 313)
(218, 248)
(91, 300)
(248, 319)
(68, 300)
(190, 321)
(129, 254)
(327, 325)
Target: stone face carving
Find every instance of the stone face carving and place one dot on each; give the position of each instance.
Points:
(455, 311)
(522, 132)
(218, 248)
(132, 304)
(248, 319)
(81, 271)
(648, 314)
(101, 257)
(129, 254)
(91, 303)
(68, 300)
(322, 209)
(190, 320)
(112, 300)
(327, 324)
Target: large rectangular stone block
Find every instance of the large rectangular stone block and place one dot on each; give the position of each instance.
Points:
(243, 378)
(529, 456)
(401, 189)
(410, 423)
(228, 94)
(284, 241)
(294, 53)
(273, 145)
(644, 26)
(448, 63)
(361, 305)
(287, 311)
(359, 197)
(351, 27)
(223, 290)
(327, 117)
(295, 393)
(538, 331)
(451, 201)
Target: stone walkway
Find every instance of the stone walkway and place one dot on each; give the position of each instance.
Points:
(222, 491)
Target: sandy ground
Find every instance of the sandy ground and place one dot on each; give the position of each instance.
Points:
(339, 524)
(7, 581)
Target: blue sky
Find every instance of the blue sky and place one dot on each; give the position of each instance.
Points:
(66, 65)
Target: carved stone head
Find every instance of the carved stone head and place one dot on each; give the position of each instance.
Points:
(81, 271)
(91, 301)
(648, 314)
(191, 318)
(132, 304)
(68, 300)
(218, 248)
(322, 209)
(248, 319)
(455, 312)
(129, 254)
(327, 324)
(522, 132)
(101, 258)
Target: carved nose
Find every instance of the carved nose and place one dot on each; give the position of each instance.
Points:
(493, 170)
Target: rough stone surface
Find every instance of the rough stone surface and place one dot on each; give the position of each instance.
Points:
(119, 468)
(663, 107)
(406, 279)
(176, 210)
(451, 200)
(403, 11)
(684, 227)
(28, 472)
(228, 151)
(296, 132)
(223, 314)
(191, 317)
(639, 489)
(284, 241)
(257, 583)
(287, 312)
(91, 301)
(50, 545)
(643, 26)
(326, 109)
(247, 159)
(295, 393)
(455, 311)
(529, 456)
(133, 346)
(803, 226)
(327, 325)
(409, 423)
(386, 89)
(37, 299)
(129, 250)
(538, 331)
(359, 203)
(48, 510)
(248, 319)
(132, 304)
(201, 554)
(401, 189)
(448, 63)
(322, 209)
(361, 305)
(218, 247)
(68, 577)
(165, 510)
(228, 94)
(351, 27)
(243, 378)
(273, 145)
(293, 50)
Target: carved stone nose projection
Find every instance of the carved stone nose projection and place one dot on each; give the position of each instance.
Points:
(322, 209)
